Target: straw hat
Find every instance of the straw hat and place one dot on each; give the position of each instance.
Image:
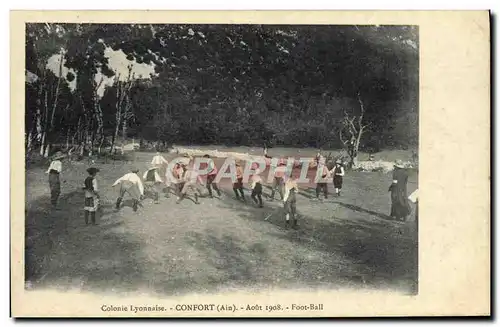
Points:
(399, 164)
(338, 161)
(57, 155)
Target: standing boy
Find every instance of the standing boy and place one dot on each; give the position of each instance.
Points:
(290, 200)
(212, 173)
(278, 180)
(338, 176)
(152, 181)
(91, 196)
(256, 187)
(159, 162)
(321, 184)
(54, 172)
(238, 185)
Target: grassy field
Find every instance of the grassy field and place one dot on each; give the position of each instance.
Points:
(221, 244)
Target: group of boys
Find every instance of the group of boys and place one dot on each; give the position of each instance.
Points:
(184, 180)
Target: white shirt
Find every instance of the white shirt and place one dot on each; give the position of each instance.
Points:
(131, 177)
(159, 160)
(414, 196)
(289, 186)
(256, 179)
(157, 176)
(55, 165)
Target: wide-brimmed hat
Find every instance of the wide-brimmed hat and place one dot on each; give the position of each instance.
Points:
(58, 155)
(399, 164)
(93, 170)
(338, 161)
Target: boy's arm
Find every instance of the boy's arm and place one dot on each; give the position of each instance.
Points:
(96, 188)
(139, 184)
(118, 181)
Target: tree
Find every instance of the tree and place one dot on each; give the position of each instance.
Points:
(351, 131)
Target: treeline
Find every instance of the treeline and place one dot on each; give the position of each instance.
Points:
(221, 84)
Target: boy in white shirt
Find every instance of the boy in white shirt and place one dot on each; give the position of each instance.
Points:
(191, 182)
(130, 183)
(159, 162)
(54, 172)
(290, 200)
(256, 187)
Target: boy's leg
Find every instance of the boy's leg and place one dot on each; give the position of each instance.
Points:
(259, 195)
(287, 213)
(273, 189)
(318, 190)
(280, 189)
(325, 190)
(86, 217)
(254, 196)
(92, 217)
(216, 188)
(235, 190)
(209, 189)
(240, 188)
(120, 197)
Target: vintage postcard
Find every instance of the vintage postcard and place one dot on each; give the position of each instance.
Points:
(250, 163)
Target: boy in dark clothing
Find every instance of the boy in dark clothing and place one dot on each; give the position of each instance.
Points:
(91, 196)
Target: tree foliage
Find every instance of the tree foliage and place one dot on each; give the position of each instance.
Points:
(228, 84)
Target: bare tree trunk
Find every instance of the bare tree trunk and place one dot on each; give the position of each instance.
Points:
(29, 142)
(67, 138)
(39, 110)
(98, 115)
(355, 129)
(118, 114)
(43, 151)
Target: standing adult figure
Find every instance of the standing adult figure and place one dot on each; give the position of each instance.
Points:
(400, 208)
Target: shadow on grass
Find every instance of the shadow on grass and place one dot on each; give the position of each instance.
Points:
(359, 209)
(382, 254)
(62, 252)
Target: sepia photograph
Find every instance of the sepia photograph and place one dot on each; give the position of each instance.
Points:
(108, 107)
(194, 159)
